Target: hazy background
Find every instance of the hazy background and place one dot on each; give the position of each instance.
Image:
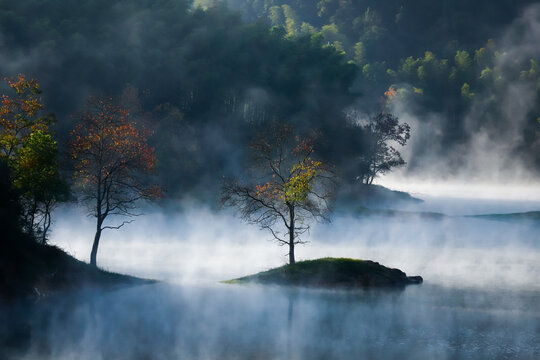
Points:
(202, 245)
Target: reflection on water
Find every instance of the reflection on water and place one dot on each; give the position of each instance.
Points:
(242, 322)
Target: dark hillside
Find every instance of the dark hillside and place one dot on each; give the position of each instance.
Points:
(371, 196)
(31, 269)
(28, 268)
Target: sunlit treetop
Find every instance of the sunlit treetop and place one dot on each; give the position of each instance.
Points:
(390, 93)
(20, 114)
(292, 173)
(36, 166)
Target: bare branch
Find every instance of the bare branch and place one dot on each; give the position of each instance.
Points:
(117, 227)
(293, 188)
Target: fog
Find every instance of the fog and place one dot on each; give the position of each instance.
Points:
(491, 193)
(203, 82)
(202, 245)
(480, 296)
(488, 151)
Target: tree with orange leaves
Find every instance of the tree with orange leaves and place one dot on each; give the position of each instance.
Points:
(290, 188)
(112, 160)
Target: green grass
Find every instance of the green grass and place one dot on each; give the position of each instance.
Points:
(330, 272)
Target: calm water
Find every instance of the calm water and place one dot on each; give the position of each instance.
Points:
(480, 299)
(228, 322)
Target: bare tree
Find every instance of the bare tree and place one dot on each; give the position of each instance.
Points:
(288, 188)
(112, 157)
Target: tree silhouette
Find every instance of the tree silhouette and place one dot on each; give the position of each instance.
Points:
(36, 175)
(112, 160)
(381, 156)
(289, 187)
(28, 148)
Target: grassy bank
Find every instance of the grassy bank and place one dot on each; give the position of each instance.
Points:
(31, 269)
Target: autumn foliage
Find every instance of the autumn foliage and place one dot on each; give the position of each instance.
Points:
(107, 145)
(20, 114)
(112, 160)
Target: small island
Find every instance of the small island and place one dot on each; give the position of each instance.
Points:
(332, 273)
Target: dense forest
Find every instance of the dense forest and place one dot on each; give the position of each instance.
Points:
(206, 76)
(201, 80)
(461, 67)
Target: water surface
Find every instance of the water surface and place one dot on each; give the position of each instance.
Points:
(480, 299)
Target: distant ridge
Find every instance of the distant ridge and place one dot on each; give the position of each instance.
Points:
(365, 211)
(371, 196)
(529, 215)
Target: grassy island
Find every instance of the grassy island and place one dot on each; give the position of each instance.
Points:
(332, 273)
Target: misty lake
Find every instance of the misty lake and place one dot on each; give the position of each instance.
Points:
(480, 297)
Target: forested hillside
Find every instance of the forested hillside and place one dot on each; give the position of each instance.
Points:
(472, 65)
(202, 81)
(206, 76)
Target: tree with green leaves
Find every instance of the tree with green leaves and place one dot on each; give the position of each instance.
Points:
(289, 187)
(30, 151)
(36, 175)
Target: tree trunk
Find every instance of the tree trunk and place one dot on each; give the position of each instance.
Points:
(46, 222)
(93, 254)
(291, 235)
(100, 218)
(291, 250)
(33, 217)
(95, 245)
